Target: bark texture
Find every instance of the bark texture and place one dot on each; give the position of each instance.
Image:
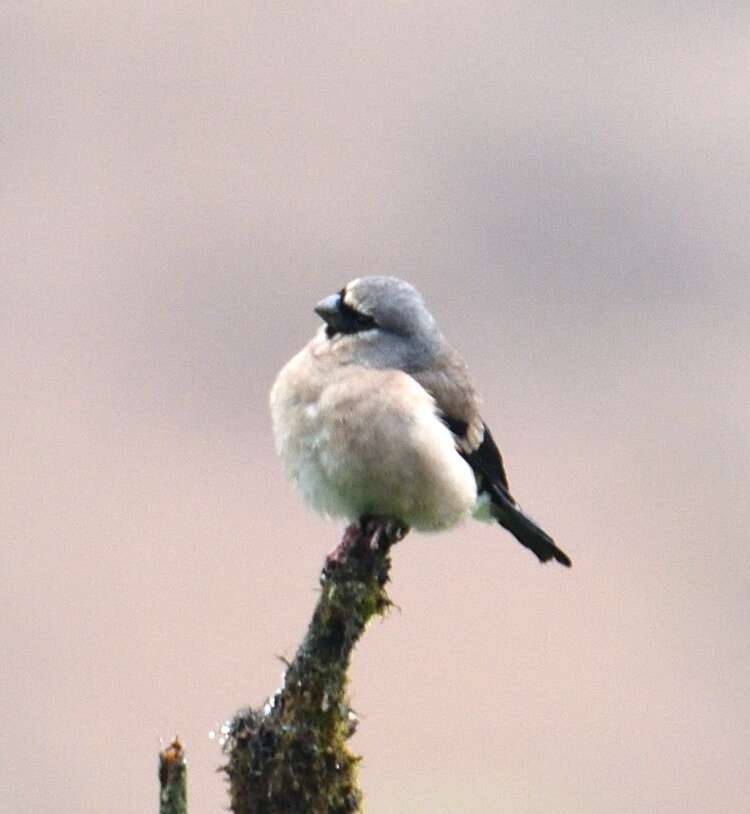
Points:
(291, 757)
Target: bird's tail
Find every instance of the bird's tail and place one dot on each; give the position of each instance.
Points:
(510, 516)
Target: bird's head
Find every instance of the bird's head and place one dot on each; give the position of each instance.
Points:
(381, 322)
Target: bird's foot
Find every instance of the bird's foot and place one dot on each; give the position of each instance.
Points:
(338, 556)
(381, 531)
(365, 538)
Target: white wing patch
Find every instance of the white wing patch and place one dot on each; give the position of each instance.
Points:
(473, 438)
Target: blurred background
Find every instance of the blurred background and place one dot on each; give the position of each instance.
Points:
(568, 186)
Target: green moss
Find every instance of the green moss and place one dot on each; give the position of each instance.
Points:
(291, 756)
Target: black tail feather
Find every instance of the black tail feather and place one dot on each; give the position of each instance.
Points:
(510, 516)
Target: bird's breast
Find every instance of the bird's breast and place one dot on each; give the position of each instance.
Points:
(359, 441)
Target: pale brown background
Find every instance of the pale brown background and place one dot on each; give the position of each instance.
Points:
(568, 185)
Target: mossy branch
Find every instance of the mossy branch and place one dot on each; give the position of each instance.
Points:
(172, 779)
(291, 755)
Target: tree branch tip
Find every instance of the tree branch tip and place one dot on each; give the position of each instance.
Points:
(291, 754)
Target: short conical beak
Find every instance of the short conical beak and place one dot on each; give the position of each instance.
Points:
(329, 309)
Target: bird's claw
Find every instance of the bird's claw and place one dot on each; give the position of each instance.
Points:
(370, 535)
(381, 530)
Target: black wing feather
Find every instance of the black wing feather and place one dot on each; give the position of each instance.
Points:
(486, 459)
(487, 463)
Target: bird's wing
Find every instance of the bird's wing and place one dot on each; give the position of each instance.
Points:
(485, 458)
(448, 383)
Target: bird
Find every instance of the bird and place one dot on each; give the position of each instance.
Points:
(377, 417)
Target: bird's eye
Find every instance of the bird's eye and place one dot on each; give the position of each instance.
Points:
(346, 319)
(355, 321)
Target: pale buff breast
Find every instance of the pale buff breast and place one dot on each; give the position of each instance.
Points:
(359, 441)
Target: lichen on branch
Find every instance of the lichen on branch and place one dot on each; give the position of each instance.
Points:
(291, 755)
